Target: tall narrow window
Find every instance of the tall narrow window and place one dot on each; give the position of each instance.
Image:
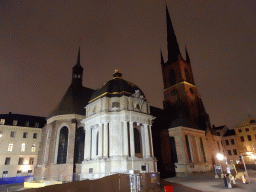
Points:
(97, 143)
(18, 173)
(173, 150)
(188, 148)
(15, 122)
(202, 148)
(63, 145)
(10, 146)
(33, 148)
(79, 149)
(23, 146)
(34, 135)
(172, 77)
(5, 174)
(31, 160)
(25, 135)
(137, 140)
(249, 137)
(20, 162)
(12, 134)
(242, 138)
(7, 161)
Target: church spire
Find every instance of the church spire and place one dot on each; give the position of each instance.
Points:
(172, 44)
(187, 57)
(77, 75)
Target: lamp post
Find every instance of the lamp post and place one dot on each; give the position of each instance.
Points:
(222, 157)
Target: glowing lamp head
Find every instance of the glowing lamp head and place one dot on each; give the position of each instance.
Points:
(220, 156)
(253, 156)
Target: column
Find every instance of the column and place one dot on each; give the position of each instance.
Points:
(100, 142)
(87, 147)
(125, 139)
(151, 141)
(132, 150)
(105, 139)
(146, 140)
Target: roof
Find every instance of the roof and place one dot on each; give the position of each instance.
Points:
(23, 119)
(229, 132)
(74, 101)
(218, 128)
(247, 121)
(116, 87)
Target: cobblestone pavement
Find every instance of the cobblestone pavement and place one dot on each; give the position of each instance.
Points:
(207, 182)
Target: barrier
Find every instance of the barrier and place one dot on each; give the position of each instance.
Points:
(12, 180)
(168, 188)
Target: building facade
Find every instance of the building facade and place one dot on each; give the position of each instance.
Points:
(20, 136)
(246, 139)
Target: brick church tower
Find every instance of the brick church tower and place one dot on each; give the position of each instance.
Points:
(181, 99)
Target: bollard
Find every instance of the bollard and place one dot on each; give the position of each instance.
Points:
(233, 179)
(243, 179)
(168, 188)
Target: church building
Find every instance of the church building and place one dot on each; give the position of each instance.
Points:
(113, 129)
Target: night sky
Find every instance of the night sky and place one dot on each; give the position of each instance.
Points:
(39, 42)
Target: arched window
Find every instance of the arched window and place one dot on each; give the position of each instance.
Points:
(202, 148)
(187, 75)
(172, 77)
(188, 148)
(79, 148)
(63, 145)
(137, 140)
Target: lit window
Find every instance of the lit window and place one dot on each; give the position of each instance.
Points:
(20, 162)
(15, 122)
(2, 121)
(18, 173)
(5, 174)
(10, 146)
(33, 148)
(31, 160)
(12, 134)
(29, 172)
(229, 152)
(1, 133)
(7, 161)
(249, 137)
(35, 136)
(23, 145)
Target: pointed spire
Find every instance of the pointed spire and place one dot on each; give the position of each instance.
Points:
(172, 43)
(78, 57)
(187, 57)
(162, 59)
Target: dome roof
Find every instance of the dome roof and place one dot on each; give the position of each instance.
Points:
(117, 87)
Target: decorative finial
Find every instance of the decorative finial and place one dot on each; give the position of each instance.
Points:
(117, 74)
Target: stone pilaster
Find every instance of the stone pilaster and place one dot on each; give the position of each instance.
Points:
(125, 139)
(100, 142)
(146, 140)
(132, 150)
(105, 140)
(87, 147)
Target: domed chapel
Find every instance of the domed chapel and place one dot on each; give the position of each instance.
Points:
(113, 129)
